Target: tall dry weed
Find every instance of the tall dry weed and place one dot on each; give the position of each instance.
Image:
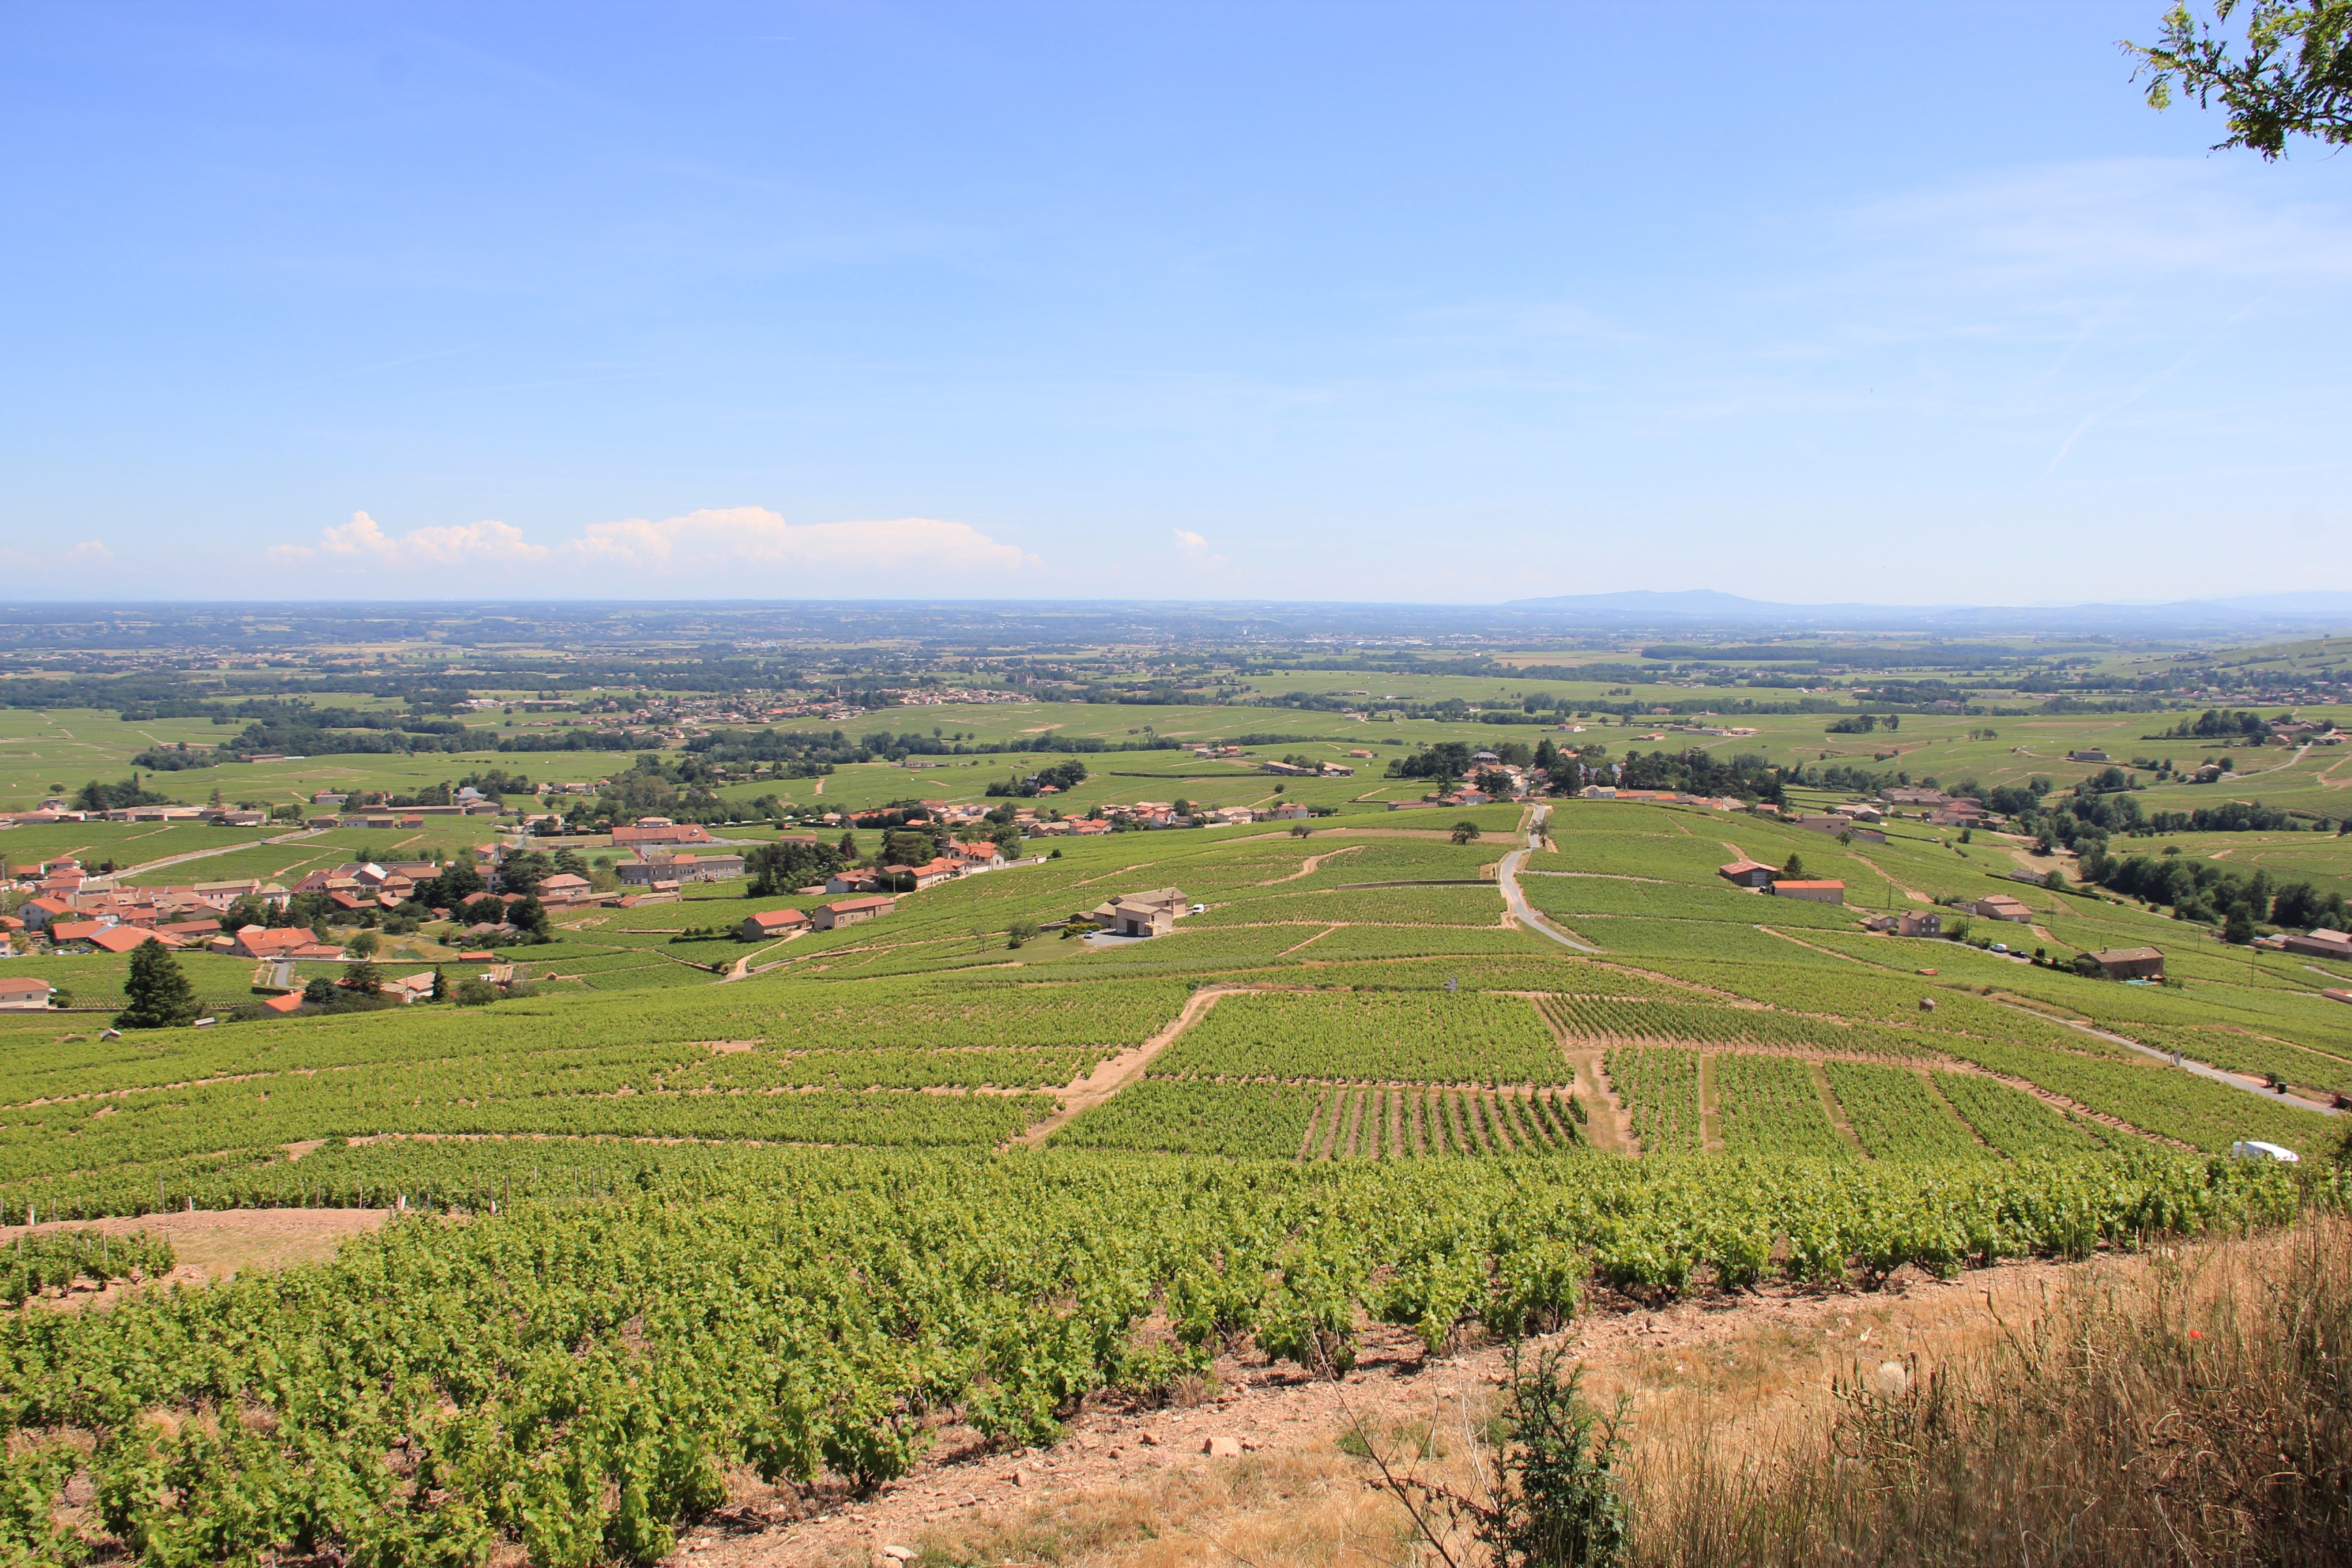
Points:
(2195, 1412)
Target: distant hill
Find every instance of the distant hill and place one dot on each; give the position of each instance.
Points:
(1697, 608)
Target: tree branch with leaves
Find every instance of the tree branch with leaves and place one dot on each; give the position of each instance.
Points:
(2288, 73)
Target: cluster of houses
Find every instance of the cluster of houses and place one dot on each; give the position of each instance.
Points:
(72, 909)
(58, 809)
(1941, 810)
(2319, 944)
(868, 900)
(1669, 798)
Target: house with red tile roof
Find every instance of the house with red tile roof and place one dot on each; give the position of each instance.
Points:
(772, 923)
(262, 941)
(23, 993)
(122, 939)
(852, 911)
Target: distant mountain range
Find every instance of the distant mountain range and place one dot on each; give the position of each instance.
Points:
(1701, 607)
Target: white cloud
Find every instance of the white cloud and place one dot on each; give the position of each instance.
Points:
(82, 557)
(1196, 551)
(363, 543)
(754, 536)
(617, 555)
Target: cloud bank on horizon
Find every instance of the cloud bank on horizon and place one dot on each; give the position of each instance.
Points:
(745, 550)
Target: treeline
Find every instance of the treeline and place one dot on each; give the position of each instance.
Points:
(2212, 893)
(1747, 775)
(2218, 724)
(824, 751)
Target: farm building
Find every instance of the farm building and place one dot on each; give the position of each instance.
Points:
(1811, 891)
(772, 923)
(2319, 944)
(851, 911)
(662, 867)
(1154, 913)
(23, 993)
(2130, 963)
(2002, 907)
(659, 830)
(1926, 922)
(1747, 874)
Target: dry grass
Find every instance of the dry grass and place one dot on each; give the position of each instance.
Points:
(1290, 1508)
(2193, 1410)
(2190, 1407)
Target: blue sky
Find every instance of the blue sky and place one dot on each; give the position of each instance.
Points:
(1913, 303)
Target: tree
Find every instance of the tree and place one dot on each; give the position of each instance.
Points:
(1465, 832)
(363, 945)
(2056, 880)
(453, 886)
(159, 994)
(2239, 927)
(362, 978)
(786, 865)
(440, 985)
(2289, 75)
(908, 847)
(523, 873)
(1299, 830)
(1795, 869)
(319, 992)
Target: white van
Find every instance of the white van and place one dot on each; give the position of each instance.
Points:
(2251, 1149)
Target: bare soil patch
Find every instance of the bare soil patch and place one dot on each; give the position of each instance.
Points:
(216, 1244)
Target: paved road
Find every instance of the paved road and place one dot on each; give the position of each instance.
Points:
(1508, 876)
(2187, 1063)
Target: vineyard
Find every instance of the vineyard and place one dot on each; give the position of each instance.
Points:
(2015, 1122)
(1372, 1036)
(573, 1378)
(1771, 1105)
(787, 1225)
(1609, 1020)
(1898, 1116)
(50, 1261)
(1660, 1089)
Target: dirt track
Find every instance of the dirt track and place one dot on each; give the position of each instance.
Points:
(1125, 1068)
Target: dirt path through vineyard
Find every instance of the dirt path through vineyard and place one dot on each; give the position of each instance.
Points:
(1127, 1067)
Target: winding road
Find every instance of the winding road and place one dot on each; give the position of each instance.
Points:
(1506, 876)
